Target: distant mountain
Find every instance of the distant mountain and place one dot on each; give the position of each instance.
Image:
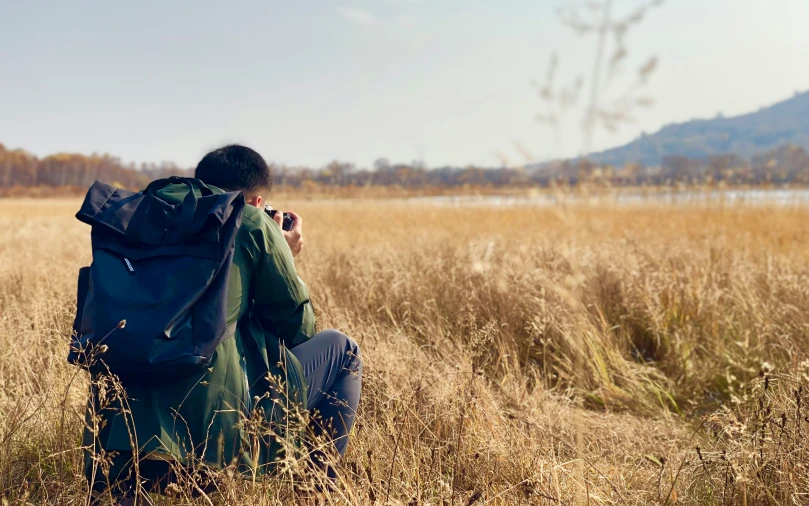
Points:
(785, 123)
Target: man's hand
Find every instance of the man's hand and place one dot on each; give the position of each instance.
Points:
(294, 236)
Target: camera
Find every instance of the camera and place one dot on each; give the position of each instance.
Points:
(287, 224)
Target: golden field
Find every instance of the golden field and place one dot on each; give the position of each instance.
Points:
(579, 354)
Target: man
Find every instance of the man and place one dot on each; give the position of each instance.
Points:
(197, 424)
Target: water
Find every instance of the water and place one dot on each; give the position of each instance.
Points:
(783, 197)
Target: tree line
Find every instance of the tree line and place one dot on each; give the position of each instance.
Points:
(20, 168)
(785, 165)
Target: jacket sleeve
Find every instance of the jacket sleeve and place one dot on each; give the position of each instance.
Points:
(280, 298)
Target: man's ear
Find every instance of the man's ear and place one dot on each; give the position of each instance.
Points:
(255, 200)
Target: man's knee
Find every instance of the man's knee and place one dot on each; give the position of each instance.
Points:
(345, 344)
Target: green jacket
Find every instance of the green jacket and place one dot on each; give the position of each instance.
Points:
(202, 418)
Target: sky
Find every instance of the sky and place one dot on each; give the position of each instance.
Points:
(306, 82)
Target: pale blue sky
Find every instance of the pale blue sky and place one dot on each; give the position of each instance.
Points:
(306, 82)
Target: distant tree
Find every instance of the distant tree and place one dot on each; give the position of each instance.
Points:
(381, 164)
(782, 165)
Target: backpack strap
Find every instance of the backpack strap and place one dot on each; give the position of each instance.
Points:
(152, 208)
(82, 291)
(191, 182)
(230, 331)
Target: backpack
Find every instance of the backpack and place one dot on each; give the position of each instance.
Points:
(151, 308)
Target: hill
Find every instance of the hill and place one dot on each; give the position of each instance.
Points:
(784, 123)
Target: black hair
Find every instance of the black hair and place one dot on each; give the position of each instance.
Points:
(235, 168)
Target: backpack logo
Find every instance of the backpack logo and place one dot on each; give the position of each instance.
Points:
(129, 266)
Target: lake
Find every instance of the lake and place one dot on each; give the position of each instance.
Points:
(767, 197)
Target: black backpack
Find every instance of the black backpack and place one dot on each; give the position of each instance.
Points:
(152, 306)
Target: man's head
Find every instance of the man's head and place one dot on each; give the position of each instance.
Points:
(234, 168)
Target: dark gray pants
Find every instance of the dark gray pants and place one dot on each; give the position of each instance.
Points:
(333, 367)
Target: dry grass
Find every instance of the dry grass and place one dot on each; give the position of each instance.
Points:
(574, 355)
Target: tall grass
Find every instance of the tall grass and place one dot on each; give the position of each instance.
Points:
(570, 355)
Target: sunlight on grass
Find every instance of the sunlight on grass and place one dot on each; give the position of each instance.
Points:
(569, 354)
